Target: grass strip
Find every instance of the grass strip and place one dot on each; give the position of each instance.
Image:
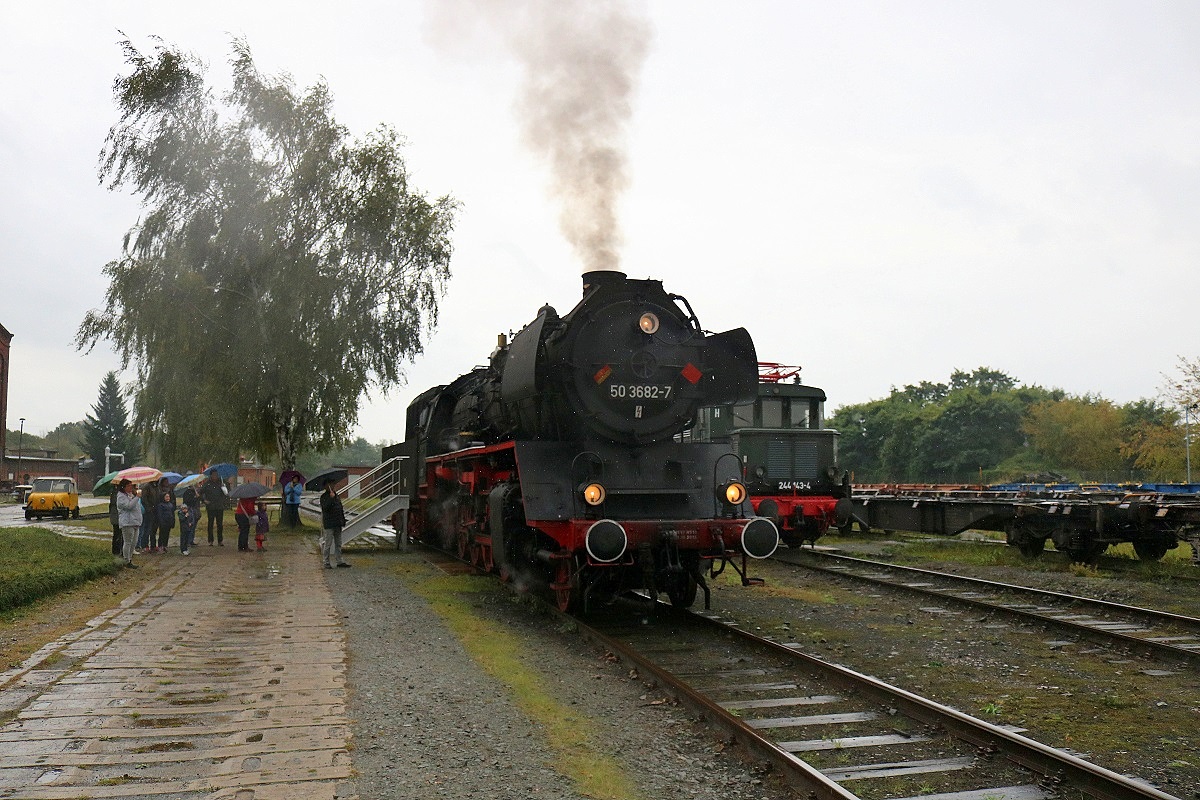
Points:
(36, 563)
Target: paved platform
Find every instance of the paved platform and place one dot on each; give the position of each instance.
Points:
(223, 678)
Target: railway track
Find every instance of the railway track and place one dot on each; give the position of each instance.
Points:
(1148, 632)
(839, 734)
(836, 733)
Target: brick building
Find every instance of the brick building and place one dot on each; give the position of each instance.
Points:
(18, 465)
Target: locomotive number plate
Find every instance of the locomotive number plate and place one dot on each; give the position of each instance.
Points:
(794, 485)
(639, 391)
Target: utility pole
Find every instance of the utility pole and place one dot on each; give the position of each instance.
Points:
(109, 453)
(20, 447)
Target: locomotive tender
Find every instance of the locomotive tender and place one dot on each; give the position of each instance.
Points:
(562, 461)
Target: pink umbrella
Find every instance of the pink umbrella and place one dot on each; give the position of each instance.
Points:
(138, 474)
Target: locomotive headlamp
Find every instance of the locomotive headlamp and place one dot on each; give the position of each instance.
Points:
(648, 323)
(593, 494)
(734, 493)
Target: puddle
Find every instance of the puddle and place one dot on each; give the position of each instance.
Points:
(165, 747)
(49, 776)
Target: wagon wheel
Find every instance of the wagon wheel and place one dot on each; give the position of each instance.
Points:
(682, 591)
(1150, 551)
(1031, 546)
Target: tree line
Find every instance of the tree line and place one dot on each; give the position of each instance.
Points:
(109, 426)
(982, 427)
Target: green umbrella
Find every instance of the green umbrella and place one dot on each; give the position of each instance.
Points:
(103, 487)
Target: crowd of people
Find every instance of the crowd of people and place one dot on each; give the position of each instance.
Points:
(142, 519)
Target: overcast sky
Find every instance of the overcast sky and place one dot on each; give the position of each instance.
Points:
(881, 192)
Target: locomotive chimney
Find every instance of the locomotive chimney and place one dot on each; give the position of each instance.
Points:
(598, 276)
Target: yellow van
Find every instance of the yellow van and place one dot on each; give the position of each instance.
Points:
(53, 497)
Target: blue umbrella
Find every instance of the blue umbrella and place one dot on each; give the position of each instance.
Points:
(225, 471)
(172, 478)
(190, 480)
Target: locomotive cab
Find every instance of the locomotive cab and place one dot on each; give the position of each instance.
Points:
(789, 459)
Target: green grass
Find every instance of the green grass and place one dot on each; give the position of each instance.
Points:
(36, 563)
(917, 548)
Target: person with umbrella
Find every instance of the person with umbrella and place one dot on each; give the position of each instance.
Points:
(247, 500)
(291, 498)
(129, 510)
(242, 513)
(333, 519)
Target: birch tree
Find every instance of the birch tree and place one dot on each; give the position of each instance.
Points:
(280, 269)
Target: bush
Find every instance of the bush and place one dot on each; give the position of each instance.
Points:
(37, 563)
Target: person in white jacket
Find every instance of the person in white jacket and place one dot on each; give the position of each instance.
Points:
(129, 517)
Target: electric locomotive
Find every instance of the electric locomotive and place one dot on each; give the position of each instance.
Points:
(789, 459)
(562, 462)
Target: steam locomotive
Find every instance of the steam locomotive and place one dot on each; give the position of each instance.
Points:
(562, 462)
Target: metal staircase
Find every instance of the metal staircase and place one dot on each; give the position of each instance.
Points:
(370, 500)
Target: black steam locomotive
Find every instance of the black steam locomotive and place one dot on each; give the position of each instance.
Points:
(562, 462)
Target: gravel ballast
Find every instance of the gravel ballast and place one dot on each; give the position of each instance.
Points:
(428, 721)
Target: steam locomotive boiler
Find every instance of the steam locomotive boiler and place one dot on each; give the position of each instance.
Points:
(561, 462)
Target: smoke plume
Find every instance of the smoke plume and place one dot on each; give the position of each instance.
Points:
(580, 59)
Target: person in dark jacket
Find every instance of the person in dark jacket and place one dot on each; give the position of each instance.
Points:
(333, 519)
(191, 498)
(188, 517)
(212, 492)
(242, 513)
(114, 519)
(262, 526)
(149, 530)
(165, 514)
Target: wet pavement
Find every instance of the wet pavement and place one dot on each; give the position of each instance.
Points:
(223, 678)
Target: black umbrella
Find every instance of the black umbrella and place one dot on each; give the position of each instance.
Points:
(317, 482)
(250, 489)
